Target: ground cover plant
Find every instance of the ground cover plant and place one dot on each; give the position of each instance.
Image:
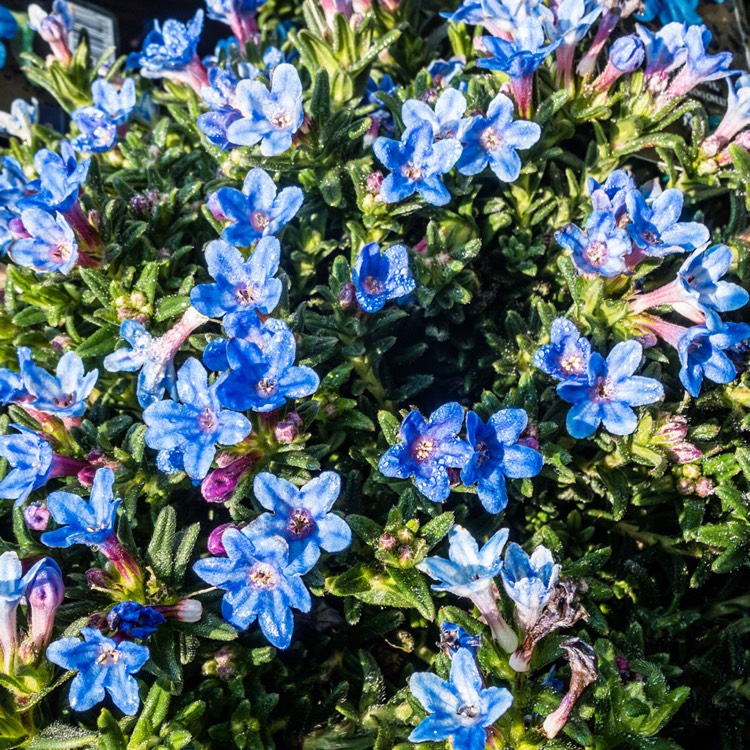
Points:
(378, 380)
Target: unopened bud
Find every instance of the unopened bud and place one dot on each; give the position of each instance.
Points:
(44, 595)
(704, 487)
(288, 429)
(186, 610)
(348, 296)
(214, 544)
(374, 182)
(219, 485)
(36, 516)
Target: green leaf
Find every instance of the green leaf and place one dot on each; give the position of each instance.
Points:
(151, 716)
(160, 553)
(412, 585)
(110, 734)
(433, 531)
(390, 426)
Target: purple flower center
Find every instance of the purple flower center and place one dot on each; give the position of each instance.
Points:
(281, 119)
(260, 220)
(263, 576)
(423, 449)
(267, 387)
(63, 251)
(65, 400)
(207, 421)
(300, 523)
(412, 172)
(596, 253)
(651, 237)
(372, 285)
(245, 294)
(604, 389)
(108, 656)
(490, 140)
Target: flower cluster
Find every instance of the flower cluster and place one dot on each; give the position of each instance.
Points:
(99, 123)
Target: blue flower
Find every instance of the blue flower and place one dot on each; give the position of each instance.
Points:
(378, 278)
(194, 426)
(699, 280)
(567, 355)
(444, 71)
(461, 708)
(116, 103)
(427, 449)
(63, 394)
(702, 354)
(238, 14)
(134, 621)
(609, 393)
(261, 582)
(665, 52)
(684, 11)
(90, 523)
(216, 124)
(573, 20)
(736, 117)
(13, 183)
(170, 48)
(627, 54)
(469, 571)
(301, 516)
(97, 133)
(51, 245)
(529, 581)
(19, 121)
(500, 17)
(700, 67)
(262, 380)
(656, 229)
(30, 458)
(248, 328)
(498, 454)
(416, 163)
(103, 665)
(8, 29)
(60, 179)
(445, 120)
(272, 117)
(240, 286)
(453, 638)
(495, 139)
(601, 249)
(256, 211)
(611, 196)
(12, 388)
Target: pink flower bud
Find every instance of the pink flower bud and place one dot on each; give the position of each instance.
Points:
(348, 296)
(374, 182)
(36, 516)
(214, 544)
(289, 428)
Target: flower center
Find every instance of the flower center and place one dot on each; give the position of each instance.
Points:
(605, 389)
(267, 387)
(244, 294)
(108, 656)
(596, 253)
(260, 220)
(63, 251)
(412, 172)
(281, 119)
(571, 364)
(300, 523)
(372, 285)
(263, 576)
(490, 140)
(467, 713)
(207, 421)
(424, 448)
(651, 237)
(65, 400)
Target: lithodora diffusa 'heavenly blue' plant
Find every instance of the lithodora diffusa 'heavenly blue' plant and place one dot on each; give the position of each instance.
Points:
(299, 330)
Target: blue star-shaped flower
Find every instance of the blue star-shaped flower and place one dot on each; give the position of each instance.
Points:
(700, 67)
(460, 708)
(91, 523)
(427, 449)
(256, 211)
(194, 426)
(568, 353)
(301, 516)
(416, 163)
(60, 179)
(50, 245)
(103, 665)
(445, 119)
(498, 454)
(171, 46)
(97, 133)
(495, 139)
(379, 277)
(529, 581)
(610, 196)
(601, 249)
(665, 52)
(261, 582)
(609, 393)
(240, 286)
(30, 458)
(272, 117)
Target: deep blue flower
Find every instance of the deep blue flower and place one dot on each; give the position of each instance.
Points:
(116, 103)
(665, 52)
(445, 119)
(97, 133)
(90, 523)
(246, 327)
(263, 380)
(428, 448)
(60, 179)
(378, 278)
(301, 516)
(12, 388)
(567, 355)
(495, 139)
(609, 393)
(416, 163)
(272, 117)
(196, 424)
(702, 353)
(260, 582)
(63, 394)
(30, 459)
(13, 183)
(8, 29)
(529, 581)
(668, 11)
(601, 249)
(240, 286)
(169, 48)
(256, 211)
(453, 638)
(216, 124)
(461, 708)
(134, 621)
(51, 244)
(103, 665)
(498, 454)
(612, 194)
(700, 67)
(657, 230)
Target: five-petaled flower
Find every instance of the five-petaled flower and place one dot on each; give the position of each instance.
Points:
(49, 244)
(30, 458)
(191, 428)
(103, 665)
(498, 454)
(602, 249)
(568, 353)
(445, 119)
(301, 516)
(428, 448)
(261, 582)
(379, 277)
(59, 182)
(460, 708)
